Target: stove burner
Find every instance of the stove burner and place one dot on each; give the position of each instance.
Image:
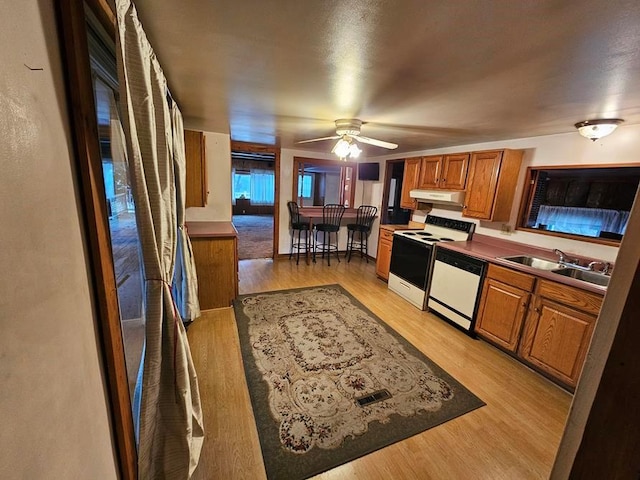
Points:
(410, 233)
(425, 234)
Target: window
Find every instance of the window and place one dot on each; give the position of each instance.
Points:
(588, 203)
(255, 185)
(241, 185)
(304, 185)
(320, 182)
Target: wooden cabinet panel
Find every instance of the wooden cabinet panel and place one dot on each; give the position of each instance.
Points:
(501, 314)
(491, 184)
(444, 171)
(409, 182)
(556, 338)
(503, 306)
(514, 278)
(383, 258)
(430, 172)
(483, 180)
(454, 171)
(216, 260)
(196, 169)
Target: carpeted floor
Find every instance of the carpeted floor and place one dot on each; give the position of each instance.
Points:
(330, 382)
(255, 236)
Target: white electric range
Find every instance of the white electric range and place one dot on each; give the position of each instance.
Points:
(412, 255)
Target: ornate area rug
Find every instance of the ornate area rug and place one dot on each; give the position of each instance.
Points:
(330, 382)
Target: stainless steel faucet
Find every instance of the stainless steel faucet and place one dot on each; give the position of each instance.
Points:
(561, 254)
(562, 258)
(606, 266)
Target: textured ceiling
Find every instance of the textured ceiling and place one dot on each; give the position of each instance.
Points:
(422, 73)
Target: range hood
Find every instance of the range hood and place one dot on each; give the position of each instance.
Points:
(448, 197)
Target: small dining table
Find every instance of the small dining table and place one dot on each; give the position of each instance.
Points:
(314, 214)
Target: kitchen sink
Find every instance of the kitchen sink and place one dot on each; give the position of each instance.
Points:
(534, 262)
(584, 275)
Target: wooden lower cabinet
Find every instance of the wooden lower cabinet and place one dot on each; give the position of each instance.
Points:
(558, 330)
(383, 258)
(216, 260)
(503, 306)
(549, 327)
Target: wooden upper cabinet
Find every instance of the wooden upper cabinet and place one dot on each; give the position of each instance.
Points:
(430, 172)
(444, 171)
(454, 171)
(196, 169)
(410, 180)
(491, 184)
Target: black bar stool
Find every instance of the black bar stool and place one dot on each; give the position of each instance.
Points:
(365, 216)
(331, 218)
(297, 223)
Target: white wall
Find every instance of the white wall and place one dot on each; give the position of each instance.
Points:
(620, 147)
(53, 407)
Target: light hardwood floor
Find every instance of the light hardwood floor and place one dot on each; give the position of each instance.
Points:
(515, 436)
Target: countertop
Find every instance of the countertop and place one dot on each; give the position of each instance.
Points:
(491, 248)
(211, 229)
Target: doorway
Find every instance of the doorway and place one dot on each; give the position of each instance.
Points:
(255, 173)
(391, 211)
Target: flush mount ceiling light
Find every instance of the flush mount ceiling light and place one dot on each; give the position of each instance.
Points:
(596, 129)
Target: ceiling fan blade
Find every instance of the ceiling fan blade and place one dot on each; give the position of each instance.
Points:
(319, 139)
(377, 143)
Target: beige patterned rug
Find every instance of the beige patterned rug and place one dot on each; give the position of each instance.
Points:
(330, 382)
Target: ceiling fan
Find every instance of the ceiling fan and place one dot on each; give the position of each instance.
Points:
(348, 130)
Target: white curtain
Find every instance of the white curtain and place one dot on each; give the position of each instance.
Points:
(185, 281)
(170, 429)
(582, 221)
(262, 187)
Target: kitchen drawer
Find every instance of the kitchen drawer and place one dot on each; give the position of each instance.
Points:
(511, 277)
(386, 235)
(574, 297)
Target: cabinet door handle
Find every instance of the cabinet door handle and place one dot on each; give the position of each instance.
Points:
(524, 304)
(537, 310)
(444, 179)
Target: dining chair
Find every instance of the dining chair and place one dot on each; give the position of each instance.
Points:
(358, 233)
(297, 223)
(331, 218)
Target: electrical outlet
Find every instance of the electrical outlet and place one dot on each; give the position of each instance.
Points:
(506, 229)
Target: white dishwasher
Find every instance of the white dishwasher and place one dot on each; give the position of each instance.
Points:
(456, 282)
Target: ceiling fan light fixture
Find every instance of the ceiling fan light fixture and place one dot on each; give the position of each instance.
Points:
(598, 128)
(354, 151)
(341, 148)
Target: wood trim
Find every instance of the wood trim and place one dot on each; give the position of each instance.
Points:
(616, 453)
(84, 131)
(527, 193)
(388, 170)
(105, 15)
(601, 241)
(259, 148)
